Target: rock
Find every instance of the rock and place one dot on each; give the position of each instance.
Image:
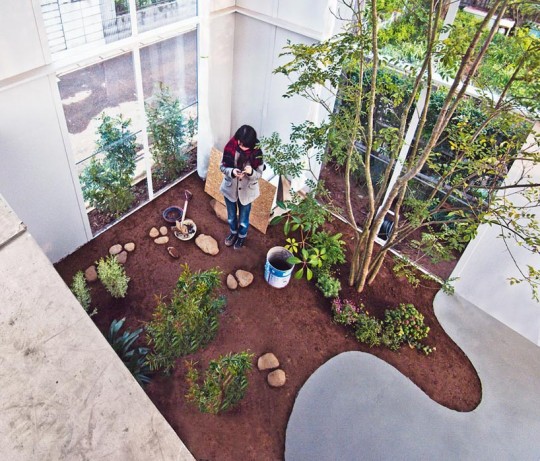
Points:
(122, 257)
(173, 252)
(232, 284)
(90, 274)
(115, 249)
(163, 230)
(267, 362)
(277, 378)
(153, 232)
(207, 244)
(244, 278)
(162, 240)
(219, 209)
(129, 247)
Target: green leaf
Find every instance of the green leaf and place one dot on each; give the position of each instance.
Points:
(276, 220)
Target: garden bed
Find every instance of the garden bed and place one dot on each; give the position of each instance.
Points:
(294, 323)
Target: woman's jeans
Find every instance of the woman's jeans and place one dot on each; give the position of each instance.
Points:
(238, 217)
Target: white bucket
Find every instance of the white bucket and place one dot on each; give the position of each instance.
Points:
(277, 271)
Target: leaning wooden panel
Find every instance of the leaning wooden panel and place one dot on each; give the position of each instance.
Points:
(261, 208)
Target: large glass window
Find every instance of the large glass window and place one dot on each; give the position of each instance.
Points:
(170, 94)
(156, 13)
(71, 24)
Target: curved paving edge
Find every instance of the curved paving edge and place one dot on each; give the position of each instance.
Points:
(357, 407)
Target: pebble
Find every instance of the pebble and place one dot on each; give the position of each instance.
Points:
(267, 362)
(277, 378)
(90, 274)
(129, 247)
(232, 284)
(207, 244)
(173, 252)
(244, 278)
(115, 249)
(122, 257)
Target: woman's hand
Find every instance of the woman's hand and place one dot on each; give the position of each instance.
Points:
(248, 170)
(238, 174)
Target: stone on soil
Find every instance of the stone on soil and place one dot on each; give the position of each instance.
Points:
(90, 274)
(267, 361)
(115, 249)
(173, 252)
(153, 232)
(219, 209)
(162, 240)
(207, 244)
(163, 230)
(232, 284)
(244, 278)
(129, 247)
(122, 257)
(277, 378)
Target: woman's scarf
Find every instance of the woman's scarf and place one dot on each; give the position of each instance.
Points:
(251, 156)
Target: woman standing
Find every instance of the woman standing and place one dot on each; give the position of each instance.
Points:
(242, 166)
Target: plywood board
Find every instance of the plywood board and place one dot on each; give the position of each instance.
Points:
(262, 206)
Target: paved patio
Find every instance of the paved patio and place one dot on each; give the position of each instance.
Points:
(357, 407)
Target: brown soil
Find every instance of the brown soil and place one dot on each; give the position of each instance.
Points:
(294, 323)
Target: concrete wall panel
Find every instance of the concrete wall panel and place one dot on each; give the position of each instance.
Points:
(20, 39)
(36, 177)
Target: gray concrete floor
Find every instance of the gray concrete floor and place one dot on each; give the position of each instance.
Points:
(357, 407)
(65, 394)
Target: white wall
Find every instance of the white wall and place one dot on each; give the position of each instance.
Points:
(20, 39)
(262, 31)
(486, 266)
(36, 173)
(221, 77)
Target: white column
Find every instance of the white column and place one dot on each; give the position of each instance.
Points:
(205, 139)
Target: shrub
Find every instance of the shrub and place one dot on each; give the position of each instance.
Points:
(81, 291)
(401, 325)
(106, 183)
(113, 276)
(328, 285)
(368, 329)
(188, 322)
(170, 132)
(315, 252)
(405, 325)
(225, 382)
(345, 312)
(134, 358)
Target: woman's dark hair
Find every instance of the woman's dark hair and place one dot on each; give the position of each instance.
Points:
(247, 136)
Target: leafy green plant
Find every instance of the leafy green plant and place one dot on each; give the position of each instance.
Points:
(134, 358)
(328, 285)
(171, 133)
(405, 325)
(314, 251)
(113, 276)
(345, 312)
(225, 382)
(80, 289)
(106, 182)
(188, 321)
(368, 329)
